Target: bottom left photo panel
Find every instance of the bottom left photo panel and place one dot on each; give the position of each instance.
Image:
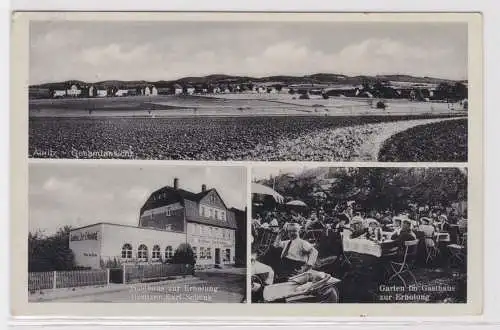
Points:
(137, 233)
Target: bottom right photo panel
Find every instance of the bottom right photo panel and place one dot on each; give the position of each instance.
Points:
(358, 234)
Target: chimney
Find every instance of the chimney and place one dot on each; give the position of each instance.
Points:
(176, 183)
(203, 187)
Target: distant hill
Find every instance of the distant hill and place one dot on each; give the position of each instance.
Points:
(222, 78)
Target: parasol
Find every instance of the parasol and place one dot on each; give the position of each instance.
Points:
(260, 189)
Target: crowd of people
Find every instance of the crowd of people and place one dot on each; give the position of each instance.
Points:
(320, 234)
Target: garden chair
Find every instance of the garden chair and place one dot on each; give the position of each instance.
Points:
(458, 252)
(399, 268)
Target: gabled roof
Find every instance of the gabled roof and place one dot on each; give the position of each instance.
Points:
(170, 195)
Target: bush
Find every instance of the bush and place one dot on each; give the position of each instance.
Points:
(184, 255)
(49, 253)
(381, 105)
(304, 97)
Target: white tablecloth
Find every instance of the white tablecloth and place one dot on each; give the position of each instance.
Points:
(362, 246)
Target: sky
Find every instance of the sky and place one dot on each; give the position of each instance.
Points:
(95, 51)
(79, 195)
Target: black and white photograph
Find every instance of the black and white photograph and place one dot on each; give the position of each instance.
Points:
(137, 233)
(249, 90)
(359, 235)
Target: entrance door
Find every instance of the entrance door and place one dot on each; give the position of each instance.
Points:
(217, 256)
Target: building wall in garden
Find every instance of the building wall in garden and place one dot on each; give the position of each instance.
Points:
(85, 243)
(107, 242)
(116, 236)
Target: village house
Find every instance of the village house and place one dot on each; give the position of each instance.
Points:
(102, 92)
(74, 91)
(177, 89)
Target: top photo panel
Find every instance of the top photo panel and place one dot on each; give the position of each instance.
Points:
(369, 91)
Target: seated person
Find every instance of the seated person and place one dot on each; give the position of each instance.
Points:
(396, 224)
(357, 229)
(428, 231)
(297, 256)
(374, 232)
(405, 234)
(264, 271)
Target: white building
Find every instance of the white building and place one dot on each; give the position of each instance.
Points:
(121, 92)
(102, 93)
(154, 91)
(59, 93)
(147, 91)
(169, 217)
(190, 90)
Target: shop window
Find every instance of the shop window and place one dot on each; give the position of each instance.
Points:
(169, 253)
(142, 253)
(156, 255)
(127, 251)
(209, 253)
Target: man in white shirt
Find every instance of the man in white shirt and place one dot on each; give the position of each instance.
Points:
(297, 255)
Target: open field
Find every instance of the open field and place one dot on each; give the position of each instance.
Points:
(428, 143)
(244, 104)
(212, 138)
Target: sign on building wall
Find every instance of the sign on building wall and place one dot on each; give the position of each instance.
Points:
(84, 236)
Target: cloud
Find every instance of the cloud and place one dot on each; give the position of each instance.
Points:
(115, 53)
(127, 51)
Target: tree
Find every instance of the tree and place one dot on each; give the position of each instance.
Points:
(49, 253)
(184, 255)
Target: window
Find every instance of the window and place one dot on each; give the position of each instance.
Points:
(223, 216)
(142, 253)
(211, 213)
(216, 214)
(156, 253)
(202, 253)
(195, 252)
(228, 255)
(202, 211)
(127, 251)
(209, 234)
(209, 253)
(169, 252)
(169, 213)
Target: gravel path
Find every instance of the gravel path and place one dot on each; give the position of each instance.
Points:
(355, 143)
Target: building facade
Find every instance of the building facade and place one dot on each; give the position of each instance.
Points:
(169, 217)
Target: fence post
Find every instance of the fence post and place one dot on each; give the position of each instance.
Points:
(54, 285)
(107, 275)
(124, 277)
